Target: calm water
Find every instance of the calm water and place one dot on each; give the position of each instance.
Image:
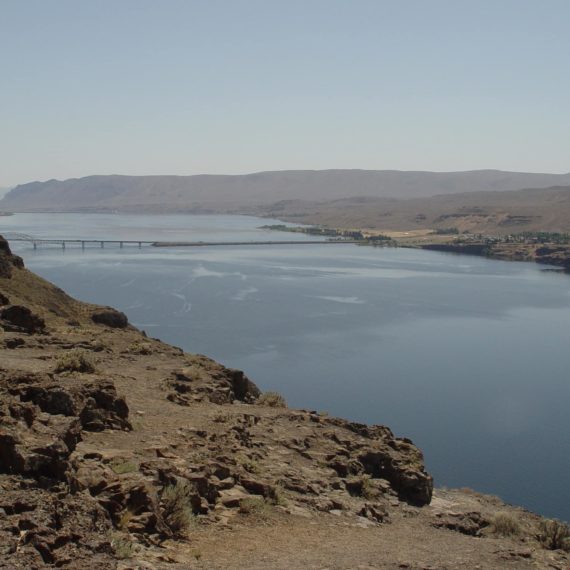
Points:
(468, 357)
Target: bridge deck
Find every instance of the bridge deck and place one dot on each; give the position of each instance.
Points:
(102, 242)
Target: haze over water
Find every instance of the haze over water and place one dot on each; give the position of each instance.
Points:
(468, 357)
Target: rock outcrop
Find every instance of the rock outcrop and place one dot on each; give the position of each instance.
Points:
(16, 318)
(110, 317)
(8, 260)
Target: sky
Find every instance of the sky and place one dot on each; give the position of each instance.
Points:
(237, 86)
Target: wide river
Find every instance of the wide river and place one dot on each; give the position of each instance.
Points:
(468, 357)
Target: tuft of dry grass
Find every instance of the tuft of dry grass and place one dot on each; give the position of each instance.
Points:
(221, 418)
(254, 506)
(142, 348)
(271, 399)
(278, 497)
(124, 519)
(75, 360)
(505, 524)
(122, 547)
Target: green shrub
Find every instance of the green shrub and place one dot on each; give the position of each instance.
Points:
(123, 548)
(75, 360)
(121, 467)
(554, 535)
(272, 399)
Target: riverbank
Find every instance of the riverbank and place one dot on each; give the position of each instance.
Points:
(510, 248)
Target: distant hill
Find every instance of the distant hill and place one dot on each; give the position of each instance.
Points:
(242, 193)
(543, 209)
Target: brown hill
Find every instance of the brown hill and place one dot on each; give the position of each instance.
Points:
(119, 451)
(234, 193)
(546, 209)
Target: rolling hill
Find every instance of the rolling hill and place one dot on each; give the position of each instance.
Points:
(242, 193)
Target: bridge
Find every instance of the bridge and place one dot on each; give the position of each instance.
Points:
(101, 243)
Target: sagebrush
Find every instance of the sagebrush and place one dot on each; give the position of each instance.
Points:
(554, 535)
(272, 399)
(75, 360)
(176, 502)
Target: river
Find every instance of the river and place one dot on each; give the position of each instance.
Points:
(468, 357)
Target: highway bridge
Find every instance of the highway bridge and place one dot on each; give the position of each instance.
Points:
(101, 243)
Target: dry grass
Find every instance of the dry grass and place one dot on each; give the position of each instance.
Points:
(177, 507)
(554, 535)
(142, 348)
(221, 418)
(122, 547)
(505, 524)
(124, 519)
(272, 399)
(249, 464)
(278, 497)
(121, 467)
(257, 506)
(75, 360)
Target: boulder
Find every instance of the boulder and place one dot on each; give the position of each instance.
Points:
(406, 477)
(17, 318)
(110, 317)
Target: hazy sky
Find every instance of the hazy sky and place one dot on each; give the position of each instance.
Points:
(233, 86)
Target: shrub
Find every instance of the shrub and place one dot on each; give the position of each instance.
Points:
(74, 360)
(272, 399)
(124, 519)
(221, 418)
(99, 345)
(140, 348)
(177, 506)
(505, 524)
(248, 463)
(369, 491)
(253, 506)
(278, 496)
(120, 467)
(123, 548)
(554, 535)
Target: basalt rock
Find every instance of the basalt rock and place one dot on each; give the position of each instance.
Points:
(110, 318)
(46, 529)
(8, 260)
(17, 318)
(41, 421)
(219, 386)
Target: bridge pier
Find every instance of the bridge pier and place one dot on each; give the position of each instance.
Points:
(62, 245)
(121, 244)
(140, 244)
(35, 245)
(82, 244)
(102, 244)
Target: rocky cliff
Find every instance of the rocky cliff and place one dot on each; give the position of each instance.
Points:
(117, 450)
